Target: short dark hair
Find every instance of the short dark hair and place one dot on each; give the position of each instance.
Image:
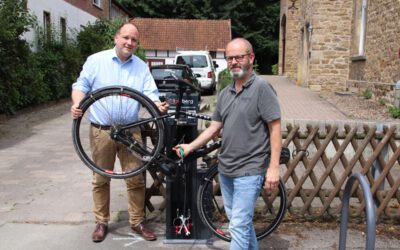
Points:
(130, 21)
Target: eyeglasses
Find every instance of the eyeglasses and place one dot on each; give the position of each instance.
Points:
(238, 58)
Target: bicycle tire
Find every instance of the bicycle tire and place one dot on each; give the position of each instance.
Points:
(209, 206)
(116, 104)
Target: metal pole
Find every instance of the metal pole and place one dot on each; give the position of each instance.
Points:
(370, 212)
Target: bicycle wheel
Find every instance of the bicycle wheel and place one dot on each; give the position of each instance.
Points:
(129, 118)
(269, 210)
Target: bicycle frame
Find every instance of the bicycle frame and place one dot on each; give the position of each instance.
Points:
(118, 135)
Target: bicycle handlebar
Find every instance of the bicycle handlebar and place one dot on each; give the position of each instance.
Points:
(200, 116)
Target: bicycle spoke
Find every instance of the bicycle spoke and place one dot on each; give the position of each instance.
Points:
(119, 115)
(268, 212)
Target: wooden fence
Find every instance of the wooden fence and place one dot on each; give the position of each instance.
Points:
(323, 157)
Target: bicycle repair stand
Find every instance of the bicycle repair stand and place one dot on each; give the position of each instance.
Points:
(183, 224)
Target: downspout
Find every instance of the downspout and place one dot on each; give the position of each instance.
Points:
(363, 28)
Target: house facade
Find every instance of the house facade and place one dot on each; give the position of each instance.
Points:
(162, 38)
(341, 45)
(67, 17)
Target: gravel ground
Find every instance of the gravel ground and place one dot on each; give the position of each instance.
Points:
(357, 107)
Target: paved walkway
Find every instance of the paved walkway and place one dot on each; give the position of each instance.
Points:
(45, 197)
(299, 103)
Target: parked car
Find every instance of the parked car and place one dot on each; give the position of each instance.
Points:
(202, 65)
(168, 74)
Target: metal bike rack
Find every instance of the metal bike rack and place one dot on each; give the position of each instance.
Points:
(183, 223)
(370, 212)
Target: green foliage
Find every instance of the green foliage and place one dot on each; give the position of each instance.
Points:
(28, 78)
(367, 93)
(14, 54)
(257, 21)
(275, 69)
(97, 36)
(140, 52)
(256, 67)
(224, 79)
(394, 112)
(59, 64)
(382, 101)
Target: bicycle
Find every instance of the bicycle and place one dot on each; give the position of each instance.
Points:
(118, 104)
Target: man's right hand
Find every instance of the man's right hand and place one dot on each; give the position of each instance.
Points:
(75, 111)
(76, 96)
(185, 147)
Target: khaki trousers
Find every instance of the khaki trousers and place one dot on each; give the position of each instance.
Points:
(104, 152)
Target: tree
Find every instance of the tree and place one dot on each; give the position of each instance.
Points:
(257, 20)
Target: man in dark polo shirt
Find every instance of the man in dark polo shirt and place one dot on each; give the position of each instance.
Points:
(248, 111)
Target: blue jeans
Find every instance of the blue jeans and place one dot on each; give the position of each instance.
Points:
(239, 195)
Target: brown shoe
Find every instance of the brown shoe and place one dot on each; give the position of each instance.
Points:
(99, 233)
(145, 233)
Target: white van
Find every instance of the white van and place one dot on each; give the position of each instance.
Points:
(202, 66)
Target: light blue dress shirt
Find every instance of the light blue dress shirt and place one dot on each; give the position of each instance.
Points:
(106, 69)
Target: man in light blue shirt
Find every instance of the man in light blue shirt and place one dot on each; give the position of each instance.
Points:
(117, 66)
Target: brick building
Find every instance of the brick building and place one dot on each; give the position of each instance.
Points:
(341, 44)
(69, 16)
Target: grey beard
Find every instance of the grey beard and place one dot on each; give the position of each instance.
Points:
(237, 74)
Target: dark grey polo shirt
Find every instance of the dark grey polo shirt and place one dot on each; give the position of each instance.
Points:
(245, 134)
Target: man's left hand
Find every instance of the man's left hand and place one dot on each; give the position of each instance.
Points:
(272, 178)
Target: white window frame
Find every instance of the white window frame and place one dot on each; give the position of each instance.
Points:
(97, 3)
(47, 24)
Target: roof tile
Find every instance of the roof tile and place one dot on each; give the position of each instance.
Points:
(183, 34)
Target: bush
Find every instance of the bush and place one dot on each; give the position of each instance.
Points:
(14, 55)
(224, 79)
(59, 63)
(275, 69)
(29, 78)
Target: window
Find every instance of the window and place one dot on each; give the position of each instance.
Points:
(47, 25)
(360, 26)
(196, 61)
(63, 29)
(161, 74)
(97, 3)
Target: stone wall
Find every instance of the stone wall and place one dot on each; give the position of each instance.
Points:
(380, 68)
(330, 43)
(319, 38)
(292, 43)
(319, 34)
